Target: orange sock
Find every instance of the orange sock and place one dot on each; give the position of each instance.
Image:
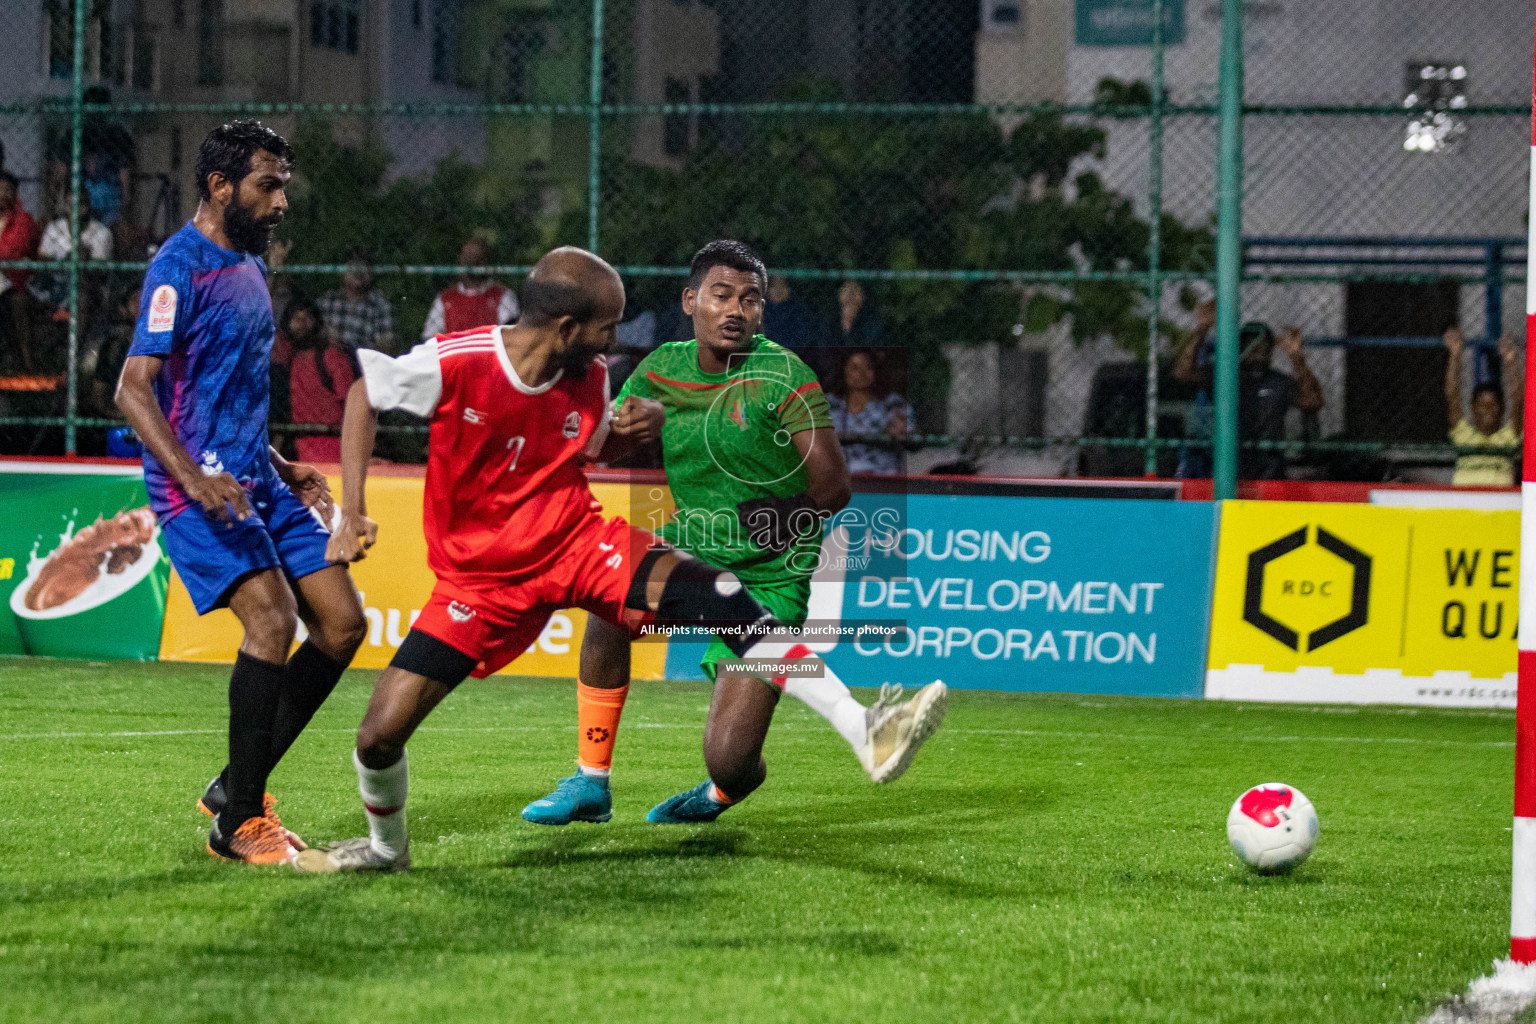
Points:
(597, 724)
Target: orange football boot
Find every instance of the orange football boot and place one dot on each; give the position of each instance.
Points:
(257, 841)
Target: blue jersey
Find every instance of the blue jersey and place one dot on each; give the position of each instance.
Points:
(206, 312)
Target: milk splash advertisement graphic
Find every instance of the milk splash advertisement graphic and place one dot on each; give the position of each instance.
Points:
(82, 573)
(89, 567)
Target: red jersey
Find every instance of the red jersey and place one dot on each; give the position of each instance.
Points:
(504, 487)
(459, 308)
(465, 310)
(18, 241)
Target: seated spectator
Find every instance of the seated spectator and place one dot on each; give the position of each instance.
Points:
(789, 320)
(1486, 427)
(279, 284)
(95, 244)
(18, 241)
(357, 314)
(857, 325)
(1264, 394)
(95, 237)
(672, 324)
(114, 352)
(639, 332)
(862, 404)
(474, 300)
(319, 373)
(279, 405)
(107, 158)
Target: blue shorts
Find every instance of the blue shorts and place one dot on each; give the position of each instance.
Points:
(211, 557)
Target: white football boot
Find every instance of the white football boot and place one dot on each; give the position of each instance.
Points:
(894, 731)
(351, 855)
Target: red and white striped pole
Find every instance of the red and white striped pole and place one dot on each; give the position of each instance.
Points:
(1522, 930)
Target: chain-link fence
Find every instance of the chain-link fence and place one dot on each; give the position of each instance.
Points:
(1019, 194)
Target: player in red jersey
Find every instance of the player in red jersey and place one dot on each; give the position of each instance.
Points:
(513, 531)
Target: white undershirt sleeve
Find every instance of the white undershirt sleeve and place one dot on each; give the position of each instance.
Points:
(437, 319)
(600, 436)
(413, 382)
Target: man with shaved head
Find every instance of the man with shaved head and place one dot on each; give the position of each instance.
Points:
(513, 531)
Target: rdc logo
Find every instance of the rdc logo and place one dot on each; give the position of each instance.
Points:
(1323, 588)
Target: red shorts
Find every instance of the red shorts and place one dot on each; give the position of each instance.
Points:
(496, 624)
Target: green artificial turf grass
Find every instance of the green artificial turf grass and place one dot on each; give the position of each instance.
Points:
(1048, 857)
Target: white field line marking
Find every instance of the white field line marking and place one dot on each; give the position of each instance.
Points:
(1042, 733)
(220, 732)
(1496, 999)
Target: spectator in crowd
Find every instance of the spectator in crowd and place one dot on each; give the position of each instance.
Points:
(114, 351)
(789, 320)
(95, 244)
(1486, 426)
(107, 154)
(1264, 394)
(474, 300)
(857, 326)
(95, 237)
(863, 403)
(279, 285)
(18, 241)
(357, 314)
(279, 407)
(672, 324)
(319, 373)
(639, 332)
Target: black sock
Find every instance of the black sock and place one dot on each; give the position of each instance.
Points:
(311, 676)
(254, 688)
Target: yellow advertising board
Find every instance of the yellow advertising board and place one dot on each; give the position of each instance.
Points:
(1364, 603)
(395, 582)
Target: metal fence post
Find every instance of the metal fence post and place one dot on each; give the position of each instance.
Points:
(594, 131)
(1229, 248)
(77, 121)
(1155, 237)
(1493, 312)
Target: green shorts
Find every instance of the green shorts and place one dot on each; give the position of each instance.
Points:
(787, 601)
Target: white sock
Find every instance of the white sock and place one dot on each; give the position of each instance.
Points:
(827, 696)
(596, 773)
(830, 699)
(383, 793)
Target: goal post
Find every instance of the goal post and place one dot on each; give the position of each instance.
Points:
(1522, 937)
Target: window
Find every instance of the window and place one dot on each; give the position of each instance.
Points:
(1005, 15)
(512, 64)
(210, 42)
(145, 56)
(1433, 94)
(336, 24)
(445, 39)
(59, 17)
(675, 127)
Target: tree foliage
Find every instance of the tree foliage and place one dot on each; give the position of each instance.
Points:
(831, 192)
(911, 192)
(344, 198)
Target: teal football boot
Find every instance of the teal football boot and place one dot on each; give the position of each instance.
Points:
(579, 797)
(688, 808)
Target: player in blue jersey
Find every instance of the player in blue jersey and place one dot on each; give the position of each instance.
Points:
(245, 529)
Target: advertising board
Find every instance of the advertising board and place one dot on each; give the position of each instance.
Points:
(1365, 603)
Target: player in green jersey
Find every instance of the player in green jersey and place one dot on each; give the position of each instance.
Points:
(755, 467)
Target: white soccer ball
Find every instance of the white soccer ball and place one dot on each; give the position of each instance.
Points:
(1272, 827)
